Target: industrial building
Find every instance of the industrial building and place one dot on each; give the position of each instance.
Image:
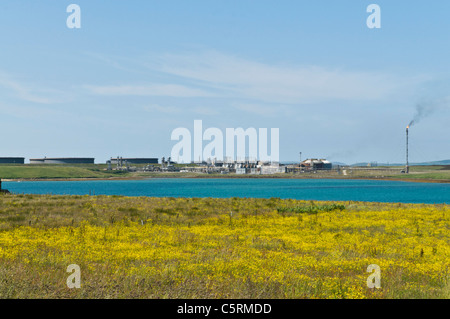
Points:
(316, 164)
(62, 160)
(273, 168)
(12, 160)
(117, 160)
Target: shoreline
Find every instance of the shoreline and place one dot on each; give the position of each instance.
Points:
(131, 178)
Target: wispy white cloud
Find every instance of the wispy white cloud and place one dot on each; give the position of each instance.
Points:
(241, 78)
(176, 110)
(172, 90)
(268, 110)
(155, 108)
(219, 75)
(119, 63)
(32, 111)
(29, 93)
(204, 110)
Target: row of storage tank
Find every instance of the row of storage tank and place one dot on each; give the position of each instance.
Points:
(49, 160)
(75, 160)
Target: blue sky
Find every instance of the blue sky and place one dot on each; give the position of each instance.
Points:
(136, 70)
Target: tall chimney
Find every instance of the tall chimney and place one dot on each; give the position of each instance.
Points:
(407, 160)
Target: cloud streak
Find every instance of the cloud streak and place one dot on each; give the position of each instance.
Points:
(172, 90)
(237, 77)
(24, 92)
(217, 75)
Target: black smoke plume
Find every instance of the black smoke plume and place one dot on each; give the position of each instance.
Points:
(424, 109)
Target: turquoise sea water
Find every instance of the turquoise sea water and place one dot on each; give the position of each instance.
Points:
(306, 189)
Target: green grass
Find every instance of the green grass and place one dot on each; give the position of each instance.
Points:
(438, 172)
(311, 209)
(425, 168)
(430, 176)
(55, 171)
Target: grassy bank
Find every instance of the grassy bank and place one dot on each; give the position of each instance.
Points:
(98, 171)
(56, 172)
(220, 248)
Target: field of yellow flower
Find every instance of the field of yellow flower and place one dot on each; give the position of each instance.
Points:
(220, 248)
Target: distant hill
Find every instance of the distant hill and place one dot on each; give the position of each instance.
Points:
(339, 164)
(443, 162)
(366, 164)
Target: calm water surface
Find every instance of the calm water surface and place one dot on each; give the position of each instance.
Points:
(306, 189)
